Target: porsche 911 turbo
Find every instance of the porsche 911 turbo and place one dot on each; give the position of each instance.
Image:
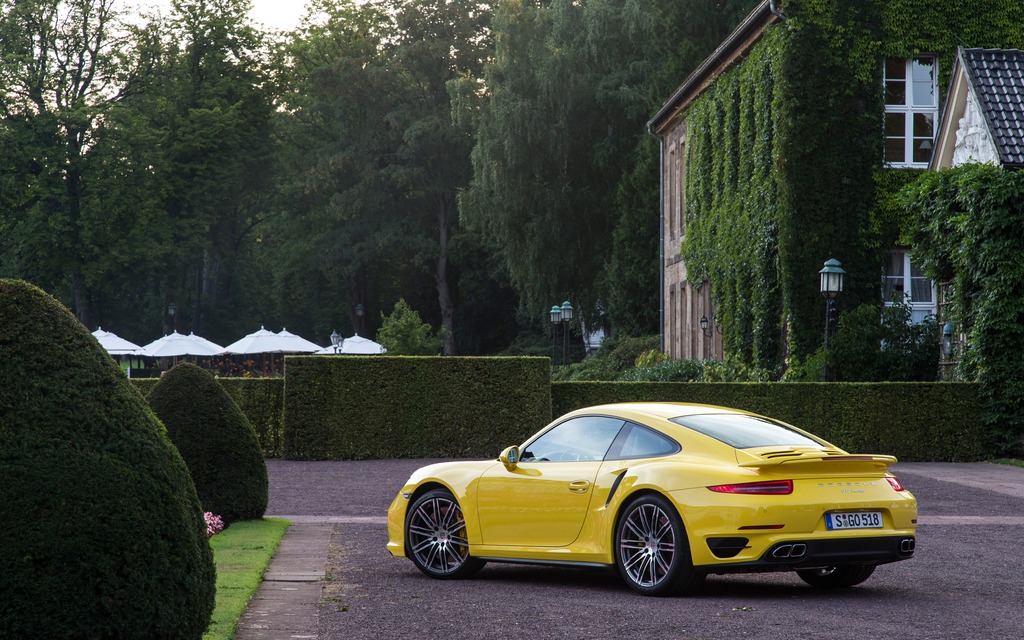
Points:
(664, 493)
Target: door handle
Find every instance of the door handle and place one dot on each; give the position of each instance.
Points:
(579, 486)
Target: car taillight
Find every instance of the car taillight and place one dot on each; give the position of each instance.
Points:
(770, 488)
(895, 483)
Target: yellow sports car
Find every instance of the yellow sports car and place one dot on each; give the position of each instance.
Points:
(666, 493)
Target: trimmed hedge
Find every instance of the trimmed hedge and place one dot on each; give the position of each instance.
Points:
(411, 407)
(260, 399)
(101, 532)
(339, 418)
(262, 402)
(144, 385)
(912, 421)
(216, 441)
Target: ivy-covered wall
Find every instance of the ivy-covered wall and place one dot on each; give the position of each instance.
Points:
(784, 163)
(970, 231)
(732, 195)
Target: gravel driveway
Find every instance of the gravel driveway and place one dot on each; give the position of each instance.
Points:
(964, 582)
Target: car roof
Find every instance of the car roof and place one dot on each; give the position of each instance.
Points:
(662, 410)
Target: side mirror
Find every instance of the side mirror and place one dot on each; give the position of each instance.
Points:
(510, 457)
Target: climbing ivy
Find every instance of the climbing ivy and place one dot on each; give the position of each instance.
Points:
(731, 203)
(969, 230)
(784, 162)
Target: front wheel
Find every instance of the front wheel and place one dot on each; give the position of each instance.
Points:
(651, 550)
(435, 537)
(837, 577)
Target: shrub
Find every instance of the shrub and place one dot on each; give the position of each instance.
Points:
(651, 358)
(622, 353)
(403, 333)
(878, 344)
(667, 371)
(261, 400)
(102, 533)
(615, 356)
(216, 440)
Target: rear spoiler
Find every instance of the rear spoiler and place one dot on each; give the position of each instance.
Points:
(778, 458)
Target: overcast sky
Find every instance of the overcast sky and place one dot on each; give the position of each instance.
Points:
(278, 14)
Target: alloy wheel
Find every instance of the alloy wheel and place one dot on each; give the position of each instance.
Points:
(647, 545)
(437, 535)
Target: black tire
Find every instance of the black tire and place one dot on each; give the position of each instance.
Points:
(651, 549)
(837, 577)
(435, 537)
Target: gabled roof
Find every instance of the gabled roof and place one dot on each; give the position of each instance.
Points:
(996, 80)
(727, 54)
(997, 77)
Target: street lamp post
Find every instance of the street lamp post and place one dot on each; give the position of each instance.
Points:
(337, 341)
(831, 286)
(566, 317)
(560, 315)
(171, 310)
(556, 319)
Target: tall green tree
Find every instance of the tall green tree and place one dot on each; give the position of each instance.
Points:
(217, 155)
(67, 67)
(372, 99)
(564, 180)
(438, 43)
(333, 247)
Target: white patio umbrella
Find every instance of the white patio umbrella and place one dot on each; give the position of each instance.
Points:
(203, 342)
(262, 341)
(114, 344)
(297, 344)
(177, 344)
(356, 345)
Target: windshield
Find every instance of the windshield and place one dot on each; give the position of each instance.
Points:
(743, 432)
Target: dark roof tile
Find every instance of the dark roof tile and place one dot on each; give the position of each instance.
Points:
(997, 77)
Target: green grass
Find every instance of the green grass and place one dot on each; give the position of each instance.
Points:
(1010, 461)
(241, 553)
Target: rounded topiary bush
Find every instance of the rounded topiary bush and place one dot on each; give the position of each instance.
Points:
(101, 532)
(216, 440)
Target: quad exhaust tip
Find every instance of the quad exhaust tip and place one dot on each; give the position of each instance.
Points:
(907, 545)
(784, 551)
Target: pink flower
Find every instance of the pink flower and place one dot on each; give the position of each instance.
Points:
(214, 524)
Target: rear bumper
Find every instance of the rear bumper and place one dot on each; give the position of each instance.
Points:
(791, 555)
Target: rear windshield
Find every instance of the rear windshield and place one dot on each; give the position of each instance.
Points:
(743, 432)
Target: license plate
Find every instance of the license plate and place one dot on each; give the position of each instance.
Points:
(854, 520)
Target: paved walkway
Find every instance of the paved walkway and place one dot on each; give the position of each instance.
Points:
(287, 605)
(315, 497)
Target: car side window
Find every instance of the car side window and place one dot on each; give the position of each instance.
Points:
(635, 441)
(578, 439)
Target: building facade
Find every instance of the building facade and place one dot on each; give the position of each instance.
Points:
(783, 149)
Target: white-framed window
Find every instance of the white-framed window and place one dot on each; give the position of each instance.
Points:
(911, 110)
(904, 281)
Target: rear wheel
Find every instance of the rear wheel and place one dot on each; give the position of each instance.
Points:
(651, 550)
(837, 577)
(435, 537)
